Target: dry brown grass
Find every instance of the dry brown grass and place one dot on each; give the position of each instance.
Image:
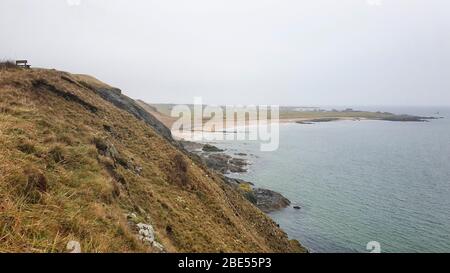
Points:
(57, 185)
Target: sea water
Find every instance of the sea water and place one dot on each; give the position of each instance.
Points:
(360, 181)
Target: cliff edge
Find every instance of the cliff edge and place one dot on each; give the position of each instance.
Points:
(81, 162)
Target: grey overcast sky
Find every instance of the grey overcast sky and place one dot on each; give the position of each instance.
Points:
(288, 52)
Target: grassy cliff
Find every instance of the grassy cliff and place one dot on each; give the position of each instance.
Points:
(75, 163)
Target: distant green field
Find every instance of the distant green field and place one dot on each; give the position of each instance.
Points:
(314, 113)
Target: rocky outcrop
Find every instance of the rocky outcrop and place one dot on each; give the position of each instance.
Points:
(115, 96)
(406, 118)
(218, 162)
(237, 165)
(147, 235)
(214, 158)
(191, 146)
(211, 148)
(236, 181)
(269, 201)
(145, 232)
(266, 200)
(225, 163)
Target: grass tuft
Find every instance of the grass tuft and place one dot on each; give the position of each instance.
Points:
(27, 147)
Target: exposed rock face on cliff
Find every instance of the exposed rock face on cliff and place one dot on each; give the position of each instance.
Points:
(115, 96)
(77, 157)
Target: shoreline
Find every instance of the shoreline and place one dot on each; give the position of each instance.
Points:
(242, 128)
(218, 160)
(224, 163)
(286, 115)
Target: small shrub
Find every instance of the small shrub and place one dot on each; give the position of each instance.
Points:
(247, 192)
(179, 174)
(245, 187)
(105, 148)
(115, 190)
(36, 181)
(27, 147)
(107, 128)
(100, 144)
(65, 138)
(57, 154)
(15, 131)
(169, 230)
(31, 186)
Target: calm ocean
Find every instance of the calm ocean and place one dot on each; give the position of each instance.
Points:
(363, 181)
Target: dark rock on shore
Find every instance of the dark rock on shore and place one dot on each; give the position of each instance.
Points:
(237, 165)
(236, 181)
(211, 148)
(225, 163)
(406, 118)
(266, 200)
(269, 201)
(191, 146)
(218, 162)
(316, 120)
(214, 158)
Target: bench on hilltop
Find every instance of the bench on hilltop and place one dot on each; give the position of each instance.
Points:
(23, 63)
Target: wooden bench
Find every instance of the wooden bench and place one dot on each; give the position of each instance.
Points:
(23, 63)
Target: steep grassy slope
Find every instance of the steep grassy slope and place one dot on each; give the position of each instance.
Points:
(73, 165)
